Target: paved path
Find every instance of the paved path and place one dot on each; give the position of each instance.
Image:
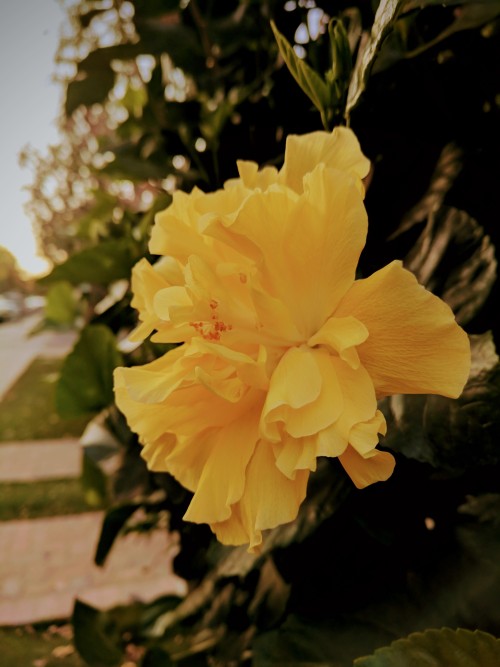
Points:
(46, 563)
(18, 348)
(40, 460)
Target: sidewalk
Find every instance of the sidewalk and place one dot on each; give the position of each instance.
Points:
(40, 460)
(18, 349)
(46, 563)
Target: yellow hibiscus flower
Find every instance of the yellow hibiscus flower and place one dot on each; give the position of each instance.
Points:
(284, 352)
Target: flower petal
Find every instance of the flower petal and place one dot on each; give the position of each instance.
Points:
(341, 335)
(414, 344)
(366, 471)
(253, 177)
(222, 479)
(294, 454)
(269, 499)
(304, 395)
(339, 149)
(305, 248)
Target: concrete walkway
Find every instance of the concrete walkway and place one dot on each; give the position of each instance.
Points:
(46, 563)
(40, 460)
(18, 348)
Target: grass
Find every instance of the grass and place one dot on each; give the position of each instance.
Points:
(28, 412)
(40, 499)
(29, 647)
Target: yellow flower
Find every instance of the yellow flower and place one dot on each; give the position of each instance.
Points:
(285, 353)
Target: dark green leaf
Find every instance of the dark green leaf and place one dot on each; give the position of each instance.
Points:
(156, 657)
(448, 167)
(456, 260)
(327, 493)
(129, 163)
(92, 636)
(387, 13)
(155, 8)
(86, 382)
(486, 508)
(471, 16)
(113, 524)
(452, 434)
(310, 81)
(460, 589)
(109, 261)
(89, 89)
(437, 647)
(341, 52)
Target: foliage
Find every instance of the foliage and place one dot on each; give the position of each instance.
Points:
(181, 93)
(39, 499)
(50, 646)
(10, 274)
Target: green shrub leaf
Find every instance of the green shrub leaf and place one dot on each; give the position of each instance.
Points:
(310, 81)
(109, 261)
(93, 639)
(436, 648)
(61, 306)
(86, 382)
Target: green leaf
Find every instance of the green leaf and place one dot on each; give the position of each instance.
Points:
(94, 480)
(339, 75)
(156, 657)
(310, 81)
(86, 382)
(88, 90)
(452, 434)
(437, 647)
(61, 305)
(95, 222)
(387, 13)
(455, 259)
(109, 261)
(129, 163)
(114, 522)
(94, 636)
(471, 16)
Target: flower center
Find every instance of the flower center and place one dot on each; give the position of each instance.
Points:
(213, 329)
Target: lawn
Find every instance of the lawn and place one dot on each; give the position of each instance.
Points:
(29, 647)
(40, 499)
(27, 411)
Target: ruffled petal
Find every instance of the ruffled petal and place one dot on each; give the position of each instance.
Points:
(414, 344)
(304, 395)
(146, 282)
(341, 335)
(294, 454)
(365, 471)
(339, 150)
(222, 479)
(269, 500)
(253, 177)
(305, 249)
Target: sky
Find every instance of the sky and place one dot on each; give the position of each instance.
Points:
(29, 105)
